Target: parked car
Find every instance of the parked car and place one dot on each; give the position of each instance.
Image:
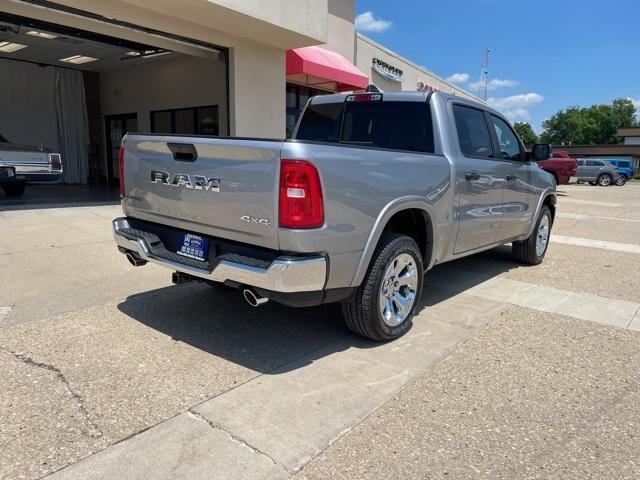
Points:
(561, 166)
(20, 164)
(625, 169)
(371, 191)
(597, 172)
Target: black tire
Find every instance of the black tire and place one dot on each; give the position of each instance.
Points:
(525, 251)
(593, 184)
(620, 181)
(14, 189)
(361, 312)
(580, 182)
(605, 180)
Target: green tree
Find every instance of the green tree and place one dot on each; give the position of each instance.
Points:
(526, 133)
(597, 124)
(624, 112)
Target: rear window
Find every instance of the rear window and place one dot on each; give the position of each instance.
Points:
(392, 125)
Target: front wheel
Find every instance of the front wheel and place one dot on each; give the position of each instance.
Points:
(621, 180)
(605, 180)
(593, 183)
(532, 250)
(383, 307)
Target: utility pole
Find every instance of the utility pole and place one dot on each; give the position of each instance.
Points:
(483, 89)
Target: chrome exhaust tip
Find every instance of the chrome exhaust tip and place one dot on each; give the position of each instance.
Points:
(135, 260)
(253, 298)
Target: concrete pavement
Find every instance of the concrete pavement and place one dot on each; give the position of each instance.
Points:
(119, 375)
(534, 396)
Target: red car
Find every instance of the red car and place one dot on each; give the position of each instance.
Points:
(561, 166)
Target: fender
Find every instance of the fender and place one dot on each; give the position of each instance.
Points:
(395, 206)
(551, 191)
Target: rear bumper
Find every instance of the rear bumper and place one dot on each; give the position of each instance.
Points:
(19, 174)
(283, 274)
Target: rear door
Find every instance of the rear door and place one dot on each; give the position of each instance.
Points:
(225, 188)
(479, 181)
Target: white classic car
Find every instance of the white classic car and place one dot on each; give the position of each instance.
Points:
(20, 164)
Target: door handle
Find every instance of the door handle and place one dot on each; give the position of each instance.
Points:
(511, 178)
(472, 176)
(183, 152)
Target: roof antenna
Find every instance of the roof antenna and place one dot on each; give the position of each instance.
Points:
(483, 88)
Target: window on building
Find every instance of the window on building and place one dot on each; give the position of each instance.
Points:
(186, 121)
(297, 97)
(473, 133)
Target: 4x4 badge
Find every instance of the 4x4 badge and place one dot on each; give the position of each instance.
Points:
(262, 221)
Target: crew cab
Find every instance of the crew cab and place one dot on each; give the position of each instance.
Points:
(561, 166)
(372, 191)
(20, 164)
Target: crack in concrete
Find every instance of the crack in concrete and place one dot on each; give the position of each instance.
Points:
(235, 438)
(91, 425)
(4, 313)
(636, 314)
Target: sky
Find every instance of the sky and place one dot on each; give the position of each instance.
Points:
(544, 55)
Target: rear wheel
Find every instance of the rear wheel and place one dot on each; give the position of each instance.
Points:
(605, 180)
(383, 307)
(532, 250)
(580, 182)
(14, 189)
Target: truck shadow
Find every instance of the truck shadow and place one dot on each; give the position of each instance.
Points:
(274, 339)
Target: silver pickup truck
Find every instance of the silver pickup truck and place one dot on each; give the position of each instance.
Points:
(372, 191)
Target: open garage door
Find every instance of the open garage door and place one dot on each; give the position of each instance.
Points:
(77, 92)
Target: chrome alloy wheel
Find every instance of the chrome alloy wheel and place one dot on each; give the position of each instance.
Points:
(398, 290)
(542, 237)
(604, 180)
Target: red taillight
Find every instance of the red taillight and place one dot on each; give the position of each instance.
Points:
(364, 97)
(55, 161)
(121, 170)
(301, 202)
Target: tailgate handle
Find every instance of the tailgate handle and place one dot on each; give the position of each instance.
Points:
(183, 152)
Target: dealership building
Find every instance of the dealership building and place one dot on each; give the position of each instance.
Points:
(76, 75)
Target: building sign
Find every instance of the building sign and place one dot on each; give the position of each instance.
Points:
(387, 71)
(423, 87)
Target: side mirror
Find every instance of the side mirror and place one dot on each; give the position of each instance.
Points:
(539, 152)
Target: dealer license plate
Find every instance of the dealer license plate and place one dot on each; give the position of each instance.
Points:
(193, 246)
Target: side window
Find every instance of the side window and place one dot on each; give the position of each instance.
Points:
(557, 155)
(592, 163)
(473, 134)
(507, 140)
(581, 163)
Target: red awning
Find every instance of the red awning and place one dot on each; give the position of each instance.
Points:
(321, 68)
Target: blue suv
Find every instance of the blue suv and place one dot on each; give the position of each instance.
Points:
(625, 167)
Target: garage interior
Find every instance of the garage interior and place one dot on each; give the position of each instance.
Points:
(79, 92)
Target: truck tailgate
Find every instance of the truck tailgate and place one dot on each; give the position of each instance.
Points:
(220, 187)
